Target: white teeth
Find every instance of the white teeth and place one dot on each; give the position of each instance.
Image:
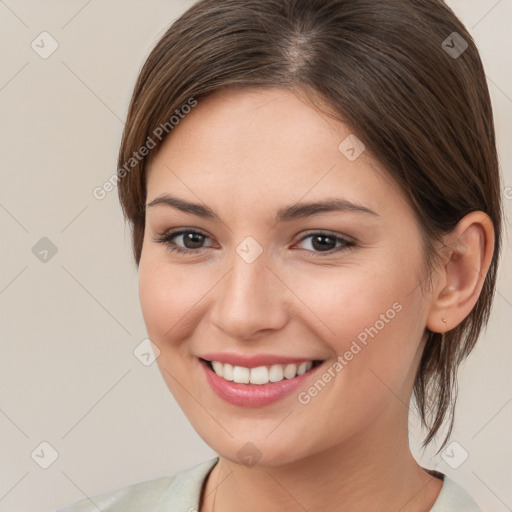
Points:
(218, 367)
(261, 374)
(290, 371)
(241, 375)
(275, 373)
(303, 367)
(227, 372)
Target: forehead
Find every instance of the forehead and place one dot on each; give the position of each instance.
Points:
(264, 145)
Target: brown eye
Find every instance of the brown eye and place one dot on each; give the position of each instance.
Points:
(326, 243)
(191, 240)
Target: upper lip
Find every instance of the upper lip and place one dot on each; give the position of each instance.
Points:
(255, 360)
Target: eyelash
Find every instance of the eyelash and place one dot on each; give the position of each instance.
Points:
(167, 239)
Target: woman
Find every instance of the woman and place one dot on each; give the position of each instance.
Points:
(314, 194)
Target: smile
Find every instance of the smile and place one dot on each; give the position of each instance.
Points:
(257, 386)
(260, 375)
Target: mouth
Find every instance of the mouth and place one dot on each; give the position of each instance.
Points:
(258, 386)
(260, 375)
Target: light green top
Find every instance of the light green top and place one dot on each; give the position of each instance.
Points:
(181, 493)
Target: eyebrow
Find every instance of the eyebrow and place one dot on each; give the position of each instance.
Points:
(286, 214)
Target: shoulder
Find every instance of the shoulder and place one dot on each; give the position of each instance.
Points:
(454, 498)
(177, 492)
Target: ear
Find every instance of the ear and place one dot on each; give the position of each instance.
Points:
(468, 254)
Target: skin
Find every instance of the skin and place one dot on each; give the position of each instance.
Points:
(245, 154)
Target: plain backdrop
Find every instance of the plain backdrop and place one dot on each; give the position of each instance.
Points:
(70, 315)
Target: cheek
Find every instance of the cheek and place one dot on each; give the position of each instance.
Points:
(377, 330)
(167, 296)
(372, 317)
(358, 299)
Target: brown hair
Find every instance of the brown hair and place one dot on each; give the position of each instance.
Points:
(393, 71)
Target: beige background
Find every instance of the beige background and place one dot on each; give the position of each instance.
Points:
(68, 374)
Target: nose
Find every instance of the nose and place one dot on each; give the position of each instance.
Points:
(250, 299)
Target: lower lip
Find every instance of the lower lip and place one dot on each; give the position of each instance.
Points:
(254, 395)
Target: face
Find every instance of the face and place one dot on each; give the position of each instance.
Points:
(256, 280)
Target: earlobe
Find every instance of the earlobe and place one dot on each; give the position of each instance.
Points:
(470, 249)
